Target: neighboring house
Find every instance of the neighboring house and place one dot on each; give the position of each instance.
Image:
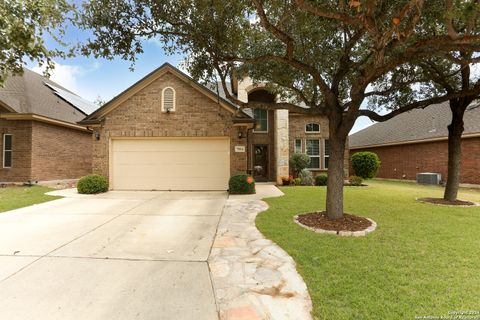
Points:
(167, 132)
(416, 142)
(40, 139)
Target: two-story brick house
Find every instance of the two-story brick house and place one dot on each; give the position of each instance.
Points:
(168, 132)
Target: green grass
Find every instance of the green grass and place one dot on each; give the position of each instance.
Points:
(19, 197)
(422, 259)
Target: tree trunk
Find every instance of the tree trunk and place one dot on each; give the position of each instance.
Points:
(337, 140)
(455, 131)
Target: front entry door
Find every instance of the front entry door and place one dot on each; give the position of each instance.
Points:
(260, 162)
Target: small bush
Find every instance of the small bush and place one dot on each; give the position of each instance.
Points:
(92, 184)
(297, 181)
(365, 164)
(241, 184)
(299, 161)
(307, 177)
(321, 180)
(355, 180)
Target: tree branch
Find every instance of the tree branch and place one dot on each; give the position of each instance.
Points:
(418, 105)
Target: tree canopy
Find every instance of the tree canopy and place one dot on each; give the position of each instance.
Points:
(23, 27)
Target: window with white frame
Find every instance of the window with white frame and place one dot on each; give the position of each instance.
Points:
(168, 99)
(261, 120)
(326, 153)
(7, 150)
(312, 148)
(298, 146)
(312, 128)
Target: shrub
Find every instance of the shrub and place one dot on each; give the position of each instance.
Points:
(321, 180)
(92, 184)
(365, 164)
(297, 181)
(355, 180)
(306, 177)
(241, 184)
(299, 161)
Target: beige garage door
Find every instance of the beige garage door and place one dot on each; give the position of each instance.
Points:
(170, 164)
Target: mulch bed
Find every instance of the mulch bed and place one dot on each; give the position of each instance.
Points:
(444, 202)
(320, 220)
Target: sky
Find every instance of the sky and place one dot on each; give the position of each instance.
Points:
(93, 78)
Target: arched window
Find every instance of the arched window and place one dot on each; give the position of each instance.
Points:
(312, 127)
(168, 99)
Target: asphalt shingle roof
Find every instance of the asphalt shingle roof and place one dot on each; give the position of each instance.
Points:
(418, 124)
(32, 93)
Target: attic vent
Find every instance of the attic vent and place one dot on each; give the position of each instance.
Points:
(168, 100)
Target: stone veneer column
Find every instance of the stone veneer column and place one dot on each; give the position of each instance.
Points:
(281, 144)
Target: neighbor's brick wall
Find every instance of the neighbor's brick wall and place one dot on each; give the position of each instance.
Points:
(405, 161)
(297, 125)
(21, 155)
(60, 153)
(140, 116)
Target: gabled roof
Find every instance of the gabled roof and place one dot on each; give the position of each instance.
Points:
(32, 93)
(99, 114)
(416, 126)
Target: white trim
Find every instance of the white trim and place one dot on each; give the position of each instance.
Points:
(309, 132)
(314, 156)
(257, 131)
(324, 156)
(174, 100)
(4, 150)
(295, 145)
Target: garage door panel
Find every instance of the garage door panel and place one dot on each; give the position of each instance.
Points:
(171, 164)
(148, 145)
(172, 157)
(194, 184)
(132, 171)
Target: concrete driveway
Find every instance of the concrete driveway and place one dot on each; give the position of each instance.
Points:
(121, 255)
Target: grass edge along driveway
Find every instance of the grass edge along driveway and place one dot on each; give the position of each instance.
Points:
(16, 197)
(423, 260)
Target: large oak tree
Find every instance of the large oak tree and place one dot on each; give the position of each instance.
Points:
(452, 73)
(322, 57)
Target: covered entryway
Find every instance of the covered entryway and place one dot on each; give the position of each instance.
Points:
(170, 163)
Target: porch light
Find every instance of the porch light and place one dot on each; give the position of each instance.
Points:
(97, 135)
(240, 134)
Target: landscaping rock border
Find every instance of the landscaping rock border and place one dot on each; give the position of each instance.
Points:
(360, 233)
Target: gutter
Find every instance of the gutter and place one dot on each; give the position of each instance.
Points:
(36, 117)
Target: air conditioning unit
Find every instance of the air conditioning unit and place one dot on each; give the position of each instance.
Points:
(429, 178)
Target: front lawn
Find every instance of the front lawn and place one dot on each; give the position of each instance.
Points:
(423, 260)
(18, 197)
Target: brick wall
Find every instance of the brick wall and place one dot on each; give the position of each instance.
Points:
(140, 116)
(297, 125)
(21, 156)
(60, 153)
(405, 161)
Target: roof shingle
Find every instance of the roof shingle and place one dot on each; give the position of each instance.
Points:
(32, 93)
(416, 125)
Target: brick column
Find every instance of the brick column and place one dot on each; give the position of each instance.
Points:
(281, 144)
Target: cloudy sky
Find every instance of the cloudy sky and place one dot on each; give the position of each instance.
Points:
(91, 78)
